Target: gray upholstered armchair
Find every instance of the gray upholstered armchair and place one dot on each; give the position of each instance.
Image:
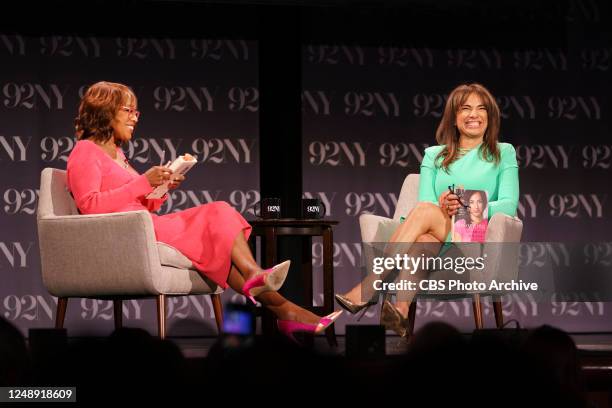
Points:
(109, 256)
(502, 229)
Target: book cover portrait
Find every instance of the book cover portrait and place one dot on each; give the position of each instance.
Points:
(471, 221)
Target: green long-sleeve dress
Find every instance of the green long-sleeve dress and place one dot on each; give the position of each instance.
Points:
(474, 173)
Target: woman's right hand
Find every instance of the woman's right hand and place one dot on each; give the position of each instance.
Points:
(449, 203)
(158, 175)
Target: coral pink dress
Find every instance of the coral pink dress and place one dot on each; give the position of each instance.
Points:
(205, 234)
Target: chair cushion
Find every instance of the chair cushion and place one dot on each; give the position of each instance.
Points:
(385, 230)
(179, 277)
(180, 281)
(170, 256)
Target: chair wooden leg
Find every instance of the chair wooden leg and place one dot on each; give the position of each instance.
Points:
(62, 304)
(499, 312)
(118, 313)
(477, 310)
(161, 316)
(412, 316)
(218, 309)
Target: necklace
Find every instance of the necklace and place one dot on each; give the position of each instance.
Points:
(122, 161)
(462, 151)
(467, 149)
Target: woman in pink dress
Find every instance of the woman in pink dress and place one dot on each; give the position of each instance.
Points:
(213, 236)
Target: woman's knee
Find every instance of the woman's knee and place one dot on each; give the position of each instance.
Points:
(425, 207)
(433, 221)
(428, 244)
(221, 208)
(426, 211)
(427, 238)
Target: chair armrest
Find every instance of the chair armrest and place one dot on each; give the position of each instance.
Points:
(375, 228)
(504, 228)
(99, 254)
(501, 246)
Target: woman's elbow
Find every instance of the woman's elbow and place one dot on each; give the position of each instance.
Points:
(90, 206)
(509, 208)
(513, 209)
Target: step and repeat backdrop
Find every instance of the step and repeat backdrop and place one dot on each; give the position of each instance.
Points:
(370, 111)
(196, 95)
(368, 114)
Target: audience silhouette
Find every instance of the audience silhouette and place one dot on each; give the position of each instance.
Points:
(440, 366)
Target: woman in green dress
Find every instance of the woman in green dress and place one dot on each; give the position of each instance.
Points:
(468, 154)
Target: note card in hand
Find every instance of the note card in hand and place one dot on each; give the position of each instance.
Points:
(181, 165)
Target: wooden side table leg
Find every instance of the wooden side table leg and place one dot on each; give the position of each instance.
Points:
(253, 244)
(271, 247)
(257, 232)
(268, 325)
(307, 271)
(328, 281)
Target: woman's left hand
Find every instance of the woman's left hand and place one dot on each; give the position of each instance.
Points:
(175, 181)
(449, 203)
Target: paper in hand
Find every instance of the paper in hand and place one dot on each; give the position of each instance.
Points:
(181, 165)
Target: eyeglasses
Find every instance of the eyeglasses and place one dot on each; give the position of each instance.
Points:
(131, 111)
(459, 193)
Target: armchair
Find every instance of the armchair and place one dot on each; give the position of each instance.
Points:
(109, 256)
(502, 228)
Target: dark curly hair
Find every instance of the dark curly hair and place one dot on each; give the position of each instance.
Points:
(99, 106)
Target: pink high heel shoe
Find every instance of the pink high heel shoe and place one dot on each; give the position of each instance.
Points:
(270, 279)
(290, 327)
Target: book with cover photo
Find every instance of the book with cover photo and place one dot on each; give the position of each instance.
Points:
(471, 221)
